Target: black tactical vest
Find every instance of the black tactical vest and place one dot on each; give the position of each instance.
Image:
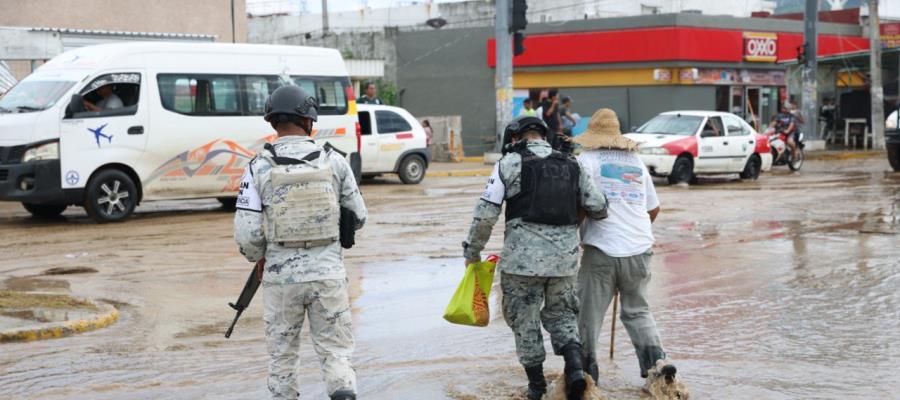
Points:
(549, 192)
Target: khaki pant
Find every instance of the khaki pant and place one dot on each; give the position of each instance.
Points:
(523, 297)
(328, 307)
(598, 279)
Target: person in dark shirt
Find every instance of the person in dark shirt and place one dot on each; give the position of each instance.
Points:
(550, 115)
(371, 96)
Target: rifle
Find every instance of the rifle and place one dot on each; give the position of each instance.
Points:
(246, 295)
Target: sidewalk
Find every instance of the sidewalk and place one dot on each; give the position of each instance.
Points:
(27, 316)
(843, 154)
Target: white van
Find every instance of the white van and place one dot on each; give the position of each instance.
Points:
(393, 141)
(109, 126)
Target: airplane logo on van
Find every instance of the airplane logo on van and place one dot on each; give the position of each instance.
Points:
(98, 133)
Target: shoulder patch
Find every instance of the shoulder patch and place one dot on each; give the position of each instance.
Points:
(495, 190)
(248, 197)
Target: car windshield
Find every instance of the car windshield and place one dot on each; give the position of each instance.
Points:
(33, 95)
(672, 124)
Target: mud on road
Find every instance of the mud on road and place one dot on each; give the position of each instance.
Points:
(783, 288)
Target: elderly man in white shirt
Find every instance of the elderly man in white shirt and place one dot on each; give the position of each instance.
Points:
(617, 249)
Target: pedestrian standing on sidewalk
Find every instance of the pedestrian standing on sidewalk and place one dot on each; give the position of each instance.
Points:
(543, 190)
(617, 250)
(288, 214)
(550, 114)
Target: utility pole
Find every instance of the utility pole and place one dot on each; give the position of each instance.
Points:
(810, 92)
(503, 80)
(876, 90)
(324, 18)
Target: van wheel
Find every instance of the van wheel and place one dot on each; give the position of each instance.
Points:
(45, 211)
(228, 203)
(412, 169)
(110, 196)
(894, 156)
(682, 171)
(751, 170)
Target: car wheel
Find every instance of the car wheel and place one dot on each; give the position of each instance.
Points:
(45, 211)
(412, 169)
(752, 169)
(796, 160)
(682, 171)
(894, 156)
(228, 203)
(110, 196)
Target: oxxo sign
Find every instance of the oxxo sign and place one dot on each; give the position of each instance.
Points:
(761, 47)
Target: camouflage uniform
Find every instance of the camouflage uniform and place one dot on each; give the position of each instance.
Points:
(300, 281)
(538, 262)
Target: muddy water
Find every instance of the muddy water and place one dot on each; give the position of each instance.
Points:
(784, 288)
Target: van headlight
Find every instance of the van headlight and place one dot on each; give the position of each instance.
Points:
(46, 151)
(655, 151)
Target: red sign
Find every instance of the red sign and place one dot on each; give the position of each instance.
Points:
(760, 46)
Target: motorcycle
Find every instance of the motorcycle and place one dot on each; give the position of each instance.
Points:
(781, 152)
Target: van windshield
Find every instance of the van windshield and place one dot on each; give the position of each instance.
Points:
(672, 124)
(33, 95)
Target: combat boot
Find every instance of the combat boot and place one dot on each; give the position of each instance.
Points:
(591, 368)
(575, 383)
(343, 395)
(537, 385)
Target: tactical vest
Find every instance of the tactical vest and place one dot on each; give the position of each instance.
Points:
(305, 210)
(549, 192)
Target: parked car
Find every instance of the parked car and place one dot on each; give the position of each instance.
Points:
(393, 141)
(188, 120)
(680, 145)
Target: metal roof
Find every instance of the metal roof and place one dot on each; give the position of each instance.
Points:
(143, 35)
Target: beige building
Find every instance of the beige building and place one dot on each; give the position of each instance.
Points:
(84, 22)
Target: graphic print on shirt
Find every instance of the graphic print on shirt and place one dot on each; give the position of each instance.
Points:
(622, 183)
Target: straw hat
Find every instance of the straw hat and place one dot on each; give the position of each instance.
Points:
(603, 133)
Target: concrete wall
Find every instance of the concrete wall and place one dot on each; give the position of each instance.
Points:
(209, 17)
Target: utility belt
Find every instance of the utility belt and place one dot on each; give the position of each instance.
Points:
(307, 244)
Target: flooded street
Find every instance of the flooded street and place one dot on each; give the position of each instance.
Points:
(783, 288)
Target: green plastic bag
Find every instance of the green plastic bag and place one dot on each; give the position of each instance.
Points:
(469, 305)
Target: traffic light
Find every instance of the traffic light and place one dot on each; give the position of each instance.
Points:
(519, 21)
(518, 43)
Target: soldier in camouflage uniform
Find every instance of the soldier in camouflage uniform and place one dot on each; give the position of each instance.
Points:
(301, 278)
(544, 190)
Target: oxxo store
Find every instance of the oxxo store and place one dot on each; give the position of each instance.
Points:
(642, 71)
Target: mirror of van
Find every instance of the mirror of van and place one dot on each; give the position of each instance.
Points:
(75, 106)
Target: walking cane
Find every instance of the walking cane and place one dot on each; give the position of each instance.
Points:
(612, 330)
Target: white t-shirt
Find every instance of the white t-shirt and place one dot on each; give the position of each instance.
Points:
(112, 102)
(629, 189)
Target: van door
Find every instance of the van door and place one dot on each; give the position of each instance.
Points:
(713, 155)
(369, 145)
(110, 126)
(393, 134)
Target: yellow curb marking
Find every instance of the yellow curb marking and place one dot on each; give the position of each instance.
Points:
(67, 328)
(463, 173)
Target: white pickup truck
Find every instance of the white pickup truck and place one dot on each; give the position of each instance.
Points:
(392, 141)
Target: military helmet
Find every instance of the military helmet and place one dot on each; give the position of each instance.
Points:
(522, 124)
(291, 102)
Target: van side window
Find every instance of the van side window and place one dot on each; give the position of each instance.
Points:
(109, 95)
(256, 90)
(199, 94)
(391, 122)
(331, 91)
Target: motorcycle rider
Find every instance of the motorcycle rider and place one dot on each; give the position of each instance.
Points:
(786, 123)
(543, 190)
(288, 215)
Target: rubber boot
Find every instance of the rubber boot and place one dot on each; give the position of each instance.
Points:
(591, 368)
(575, 383)
(537, 385)
(343, 395)
(669, 371)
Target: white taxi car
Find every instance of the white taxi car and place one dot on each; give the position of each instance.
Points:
(392, 141)
(683, 144)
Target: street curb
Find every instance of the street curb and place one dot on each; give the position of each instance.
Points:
(828, 156)
(470, 172)
(106, 317)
